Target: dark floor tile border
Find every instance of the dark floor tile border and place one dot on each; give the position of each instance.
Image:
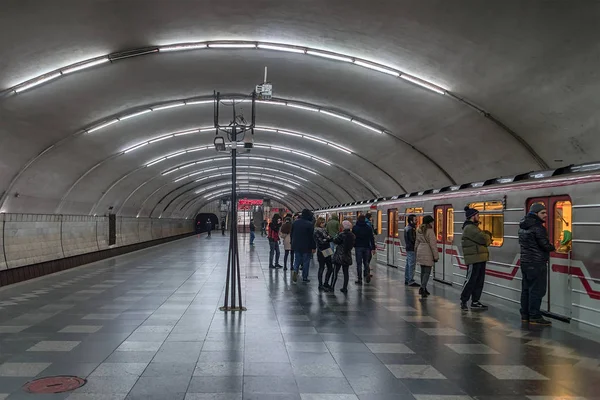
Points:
(27, 272)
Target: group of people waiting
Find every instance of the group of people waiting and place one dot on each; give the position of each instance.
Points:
(421, 248)
(333, 242)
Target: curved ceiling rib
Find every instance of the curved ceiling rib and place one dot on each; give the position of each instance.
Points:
(240, 176)
(269, 46)
(278, 161)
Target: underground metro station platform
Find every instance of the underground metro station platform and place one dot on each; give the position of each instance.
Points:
(147, 325)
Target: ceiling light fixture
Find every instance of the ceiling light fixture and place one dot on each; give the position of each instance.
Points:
(156, 162)
(101, 126)
(44, 79)
(328, 55)
(367, 126)
(232, 46)
(194, 102)
(85, 65)
(136, 114)
(424, 84)
(160, 139)
(281, 48)
(182, 47)
(187, 132)
(302, 107)
(135, 147)
(345, 118)
(167, 106)
(377, 68)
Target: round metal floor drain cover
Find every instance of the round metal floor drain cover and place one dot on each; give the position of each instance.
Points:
(54, 384)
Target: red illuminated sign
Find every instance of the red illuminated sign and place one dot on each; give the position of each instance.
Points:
(250, 202)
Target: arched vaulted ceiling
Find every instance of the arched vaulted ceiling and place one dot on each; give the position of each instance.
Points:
(372, 99)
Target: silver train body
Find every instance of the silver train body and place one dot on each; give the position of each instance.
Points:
(572, 197)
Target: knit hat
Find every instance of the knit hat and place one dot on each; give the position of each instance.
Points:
(427, 219)
(536, 208)
(470, 212)
(347, 224)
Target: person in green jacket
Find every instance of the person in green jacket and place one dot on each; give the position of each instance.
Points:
(475, 244)
(333, 228)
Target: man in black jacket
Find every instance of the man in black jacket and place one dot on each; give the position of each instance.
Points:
(535, 253)
(363, 246)
(303, 244)
(410, 236)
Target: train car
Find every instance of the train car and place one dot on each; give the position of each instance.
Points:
(570, 195)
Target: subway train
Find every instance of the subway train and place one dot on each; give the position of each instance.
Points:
(571, 197)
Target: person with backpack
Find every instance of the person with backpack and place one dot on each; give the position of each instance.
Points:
(303, 244)
(363, 246)
(475, 244)
(273, 238)
(342, 257)
(324, 253)
(426, 251)
(209, 226)
(410, 236)
(535, 253)
(285, 233)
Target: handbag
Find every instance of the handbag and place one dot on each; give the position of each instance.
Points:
(327, 252)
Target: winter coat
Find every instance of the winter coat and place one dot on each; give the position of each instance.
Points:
(302, 235)
(286, 228)
(364, 236)
(287, 240)
(322, 239)
(475, 243)
(333, 226)
(410, 235)
(533, 238)
(274, 231)
(209, 225)
(426, 246)
(252, 227)
(343, 250)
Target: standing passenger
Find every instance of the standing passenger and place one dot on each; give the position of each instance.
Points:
(263, 228)
(364, 245)
(324, 253)
(285, 234)
(475, 244)
(342, 258)
(274, 241)
(410, 235)
(223, 226)
(535, 253)
(426, 251)
(252, 234)
(303, 244)
(209, 226)
(333, 228)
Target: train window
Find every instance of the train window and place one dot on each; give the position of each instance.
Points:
(450, 225)
(378, 227)
(418, 211)
(490, 220)
(562, 226)
(439, 223)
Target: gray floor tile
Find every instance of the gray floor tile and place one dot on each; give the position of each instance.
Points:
(22, 369)
(407, 371)
(49, 345)
(399, 348)
(97, 396)
(513, 372)
(213, 396)
(263, 384)
(324, 385)
(169, 369)
(215, 384)
(219, 369)
(139, 346)
(475, 348)
(108, 384)
(119, 369)
(81, 329)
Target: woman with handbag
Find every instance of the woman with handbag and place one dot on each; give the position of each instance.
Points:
(426, 251)
(324, 253)
(342, 258)
(285, 233)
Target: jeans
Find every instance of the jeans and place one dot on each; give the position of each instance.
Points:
(362, 258)
(425, 274)
(304, 259)
(323, 261)
(533, 289)
(285, 258)
(474, 284)
(409, 271)
(345, 269)
(332, 245)
(252, 236)
(273, 250)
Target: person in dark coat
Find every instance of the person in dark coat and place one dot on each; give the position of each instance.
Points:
(274, 239)
(209, 226)
(252, 234)
(303, 244)
(223, 226)
(535, 253)
(410, 236)
(322, 240)
(342, 258)
(363, 246)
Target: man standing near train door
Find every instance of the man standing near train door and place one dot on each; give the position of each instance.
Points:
(410, 236)
(535, 253)
(475, 244)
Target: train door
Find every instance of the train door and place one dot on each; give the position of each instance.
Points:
(392, 252)
(444, 231)
(559, 226)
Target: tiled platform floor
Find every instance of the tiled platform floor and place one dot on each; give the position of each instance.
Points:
(147, 326)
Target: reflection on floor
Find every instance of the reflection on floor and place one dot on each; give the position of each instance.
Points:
(147, 326)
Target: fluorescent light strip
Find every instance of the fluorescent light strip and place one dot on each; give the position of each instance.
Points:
(303, 107)
(104, 125)
(44, 79)
(281, 48)
(335, 146)
(85, 65)
(367, 126)
(422, 83)
(135, 147)
(194, 102)
(314, 139)
(327, 55)
(345, 118)
(136, 114)
(187, 132)
(167, 106)
(182, 47)
(289, 133)
(377, 68)
(231, 46)
(160, 139)
(156, 162)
